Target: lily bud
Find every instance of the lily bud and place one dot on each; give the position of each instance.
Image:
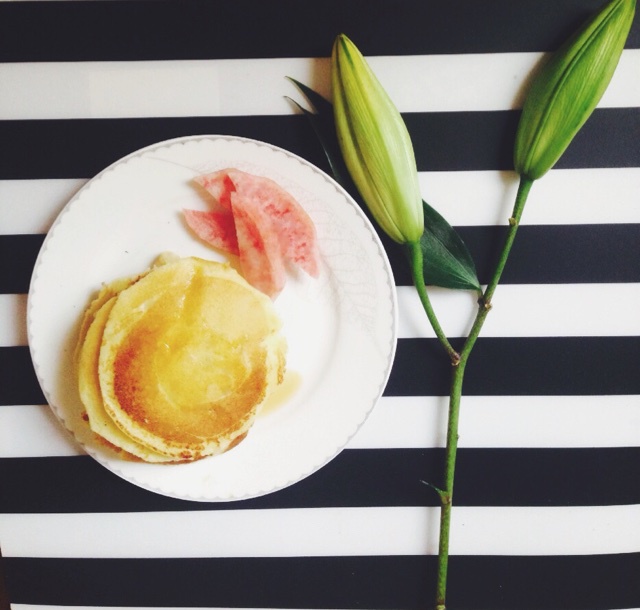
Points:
(568, 87)
(375, 145)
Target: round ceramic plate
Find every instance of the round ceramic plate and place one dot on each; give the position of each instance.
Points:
(340, 327)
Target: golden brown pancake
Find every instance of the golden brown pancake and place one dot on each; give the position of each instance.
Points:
(107, 291)
(187, 353)
(91, 396)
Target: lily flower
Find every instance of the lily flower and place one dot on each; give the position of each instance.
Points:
(375, 145)
(568, 88)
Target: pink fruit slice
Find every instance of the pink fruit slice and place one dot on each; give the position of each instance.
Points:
(294, 228)
(261, 222)
(219, 185)
(261, 263)
(216, 228)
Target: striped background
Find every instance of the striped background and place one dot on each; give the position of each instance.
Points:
(548, 487)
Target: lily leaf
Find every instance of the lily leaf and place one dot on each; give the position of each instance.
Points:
(320, 104)
(322, 122)
(447, 261)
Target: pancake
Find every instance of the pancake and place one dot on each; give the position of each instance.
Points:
(91, 396)
(187, 353)
(107, 291)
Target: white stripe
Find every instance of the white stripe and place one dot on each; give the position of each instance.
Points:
(474, 198)
(31, 206)
(571, 196)
(503, 422)
(562, 310)
(323, 532)
(155, 88)
(33, 431)
(473, 82)
(13, 313)
(483, 81)
(417, 422)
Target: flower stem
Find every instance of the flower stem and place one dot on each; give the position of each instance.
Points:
(484, 305)
(417, 271)
(514, 222)
(446, 494)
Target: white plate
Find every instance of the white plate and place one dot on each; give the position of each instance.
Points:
(341, 328)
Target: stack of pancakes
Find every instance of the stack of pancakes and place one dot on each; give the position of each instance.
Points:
(173, 364)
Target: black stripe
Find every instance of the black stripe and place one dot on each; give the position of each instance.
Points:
(482, 583)
(72, 148)
(517, 366)
(363, 477)
(542, 254)
(19, 253)
(18, 382)
(196, 29)
(545, 254)
(444, 141)
(483, 140)
(514, 366)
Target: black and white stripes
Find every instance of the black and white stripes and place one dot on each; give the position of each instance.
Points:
(548, 499)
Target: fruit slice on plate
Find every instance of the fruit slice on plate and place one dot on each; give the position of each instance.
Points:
(261, 262)
(267, 220)
(215, 227)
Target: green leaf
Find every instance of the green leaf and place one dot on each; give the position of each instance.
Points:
(319, 103)
(447, 261)
(322, 122)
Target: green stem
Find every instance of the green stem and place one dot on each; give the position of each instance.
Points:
(514, 222)
(417, 271)
(446, 493)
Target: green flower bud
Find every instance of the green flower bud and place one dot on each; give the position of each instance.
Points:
(375, 145)
(568, 87)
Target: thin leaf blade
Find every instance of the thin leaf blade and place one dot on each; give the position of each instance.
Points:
(323, 124)
(447, 260)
